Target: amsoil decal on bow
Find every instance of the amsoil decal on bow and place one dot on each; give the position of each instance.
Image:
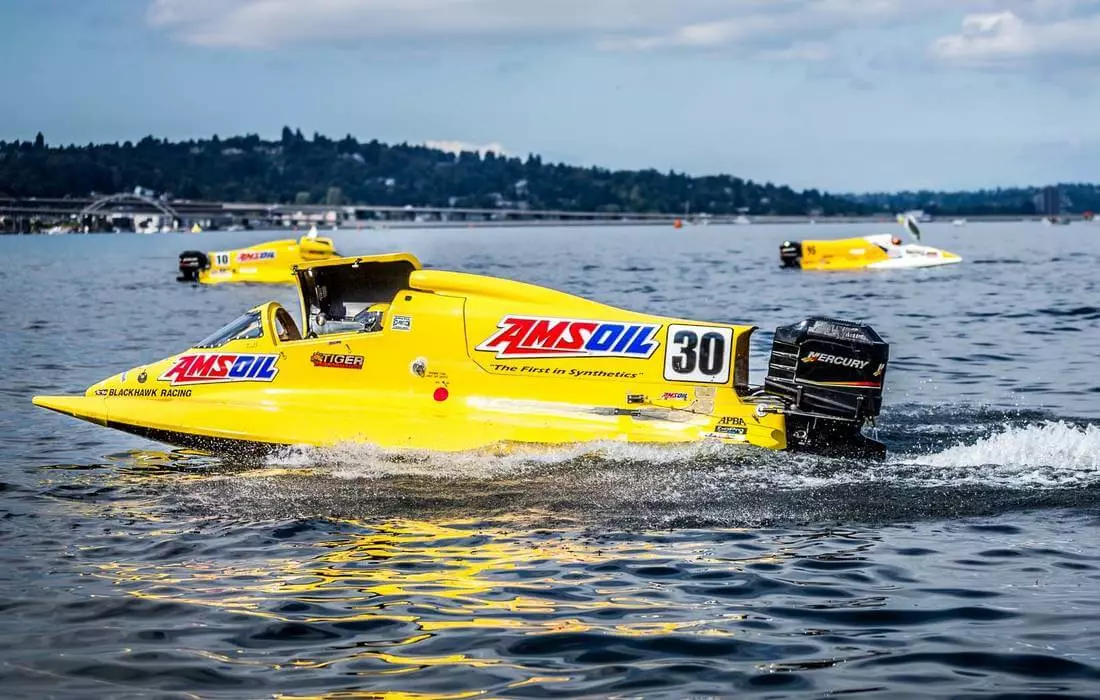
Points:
(324, 359)
(217, 367)
(255, 256)
(539, 336)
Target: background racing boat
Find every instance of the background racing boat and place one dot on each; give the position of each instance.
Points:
(270, 262)
(878, 252)
(403, 357)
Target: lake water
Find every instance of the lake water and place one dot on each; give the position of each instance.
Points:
(966, 564)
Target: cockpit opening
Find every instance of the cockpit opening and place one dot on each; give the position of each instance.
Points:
(351, 298)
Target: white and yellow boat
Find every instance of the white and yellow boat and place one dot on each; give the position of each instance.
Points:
(877, 252)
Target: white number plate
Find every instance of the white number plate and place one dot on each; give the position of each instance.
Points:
(699, 354)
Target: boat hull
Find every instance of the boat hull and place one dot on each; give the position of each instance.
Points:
(455, 362)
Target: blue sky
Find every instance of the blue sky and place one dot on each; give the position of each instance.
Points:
(844, 95)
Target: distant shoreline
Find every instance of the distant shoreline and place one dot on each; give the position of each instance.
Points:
(671, 222)
(214, 183)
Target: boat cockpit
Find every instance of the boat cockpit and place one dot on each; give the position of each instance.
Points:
(352, 297)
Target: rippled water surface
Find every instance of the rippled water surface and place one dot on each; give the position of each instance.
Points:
(966, 564)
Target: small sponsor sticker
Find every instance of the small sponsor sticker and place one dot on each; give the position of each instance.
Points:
(726, 436)
(838, 360)
(324, 359)
(255, 256)
(674, 396)
(729, 430)
(401, 323)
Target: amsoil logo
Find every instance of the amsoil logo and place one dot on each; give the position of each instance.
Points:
(836, 360)
(255, 256)
(217, 367)
(537, 336)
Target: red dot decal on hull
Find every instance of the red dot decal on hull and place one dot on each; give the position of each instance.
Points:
(441, 394)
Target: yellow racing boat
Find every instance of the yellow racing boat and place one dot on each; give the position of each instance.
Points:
(270, 262)
(398, 356)
(878, 252)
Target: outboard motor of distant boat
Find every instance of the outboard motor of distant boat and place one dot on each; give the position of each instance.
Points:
(192, 262)
(790, 254)
(830, 375)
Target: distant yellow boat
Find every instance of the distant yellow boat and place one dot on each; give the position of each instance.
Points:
(195, 228)
(270, 262)
(882, 251)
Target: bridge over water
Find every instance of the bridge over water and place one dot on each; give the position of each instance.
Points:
(184, 212)
(181, 213)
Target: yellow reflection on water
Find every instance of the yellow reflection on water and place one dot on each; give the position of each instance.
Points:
(442, 578)
(382, 595)
(383, 695)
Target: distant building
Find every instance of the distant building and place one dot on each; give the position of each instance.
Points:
(1050, 201)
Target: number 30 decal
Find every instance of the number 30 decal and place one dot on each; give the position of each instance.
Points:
(698, 354)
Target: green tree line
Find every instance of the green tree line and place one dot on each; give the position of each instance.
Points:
(320, 170)
(1012, 201)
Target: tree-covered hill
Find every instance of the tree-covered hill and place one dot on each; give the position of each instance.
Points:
(319, 170)
(1015, 201)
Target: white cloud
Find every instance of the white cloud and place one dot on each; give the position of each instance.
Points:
(457, 147)
(1007, 39)
(622, 24)
(782, 29)
(257, 23)
(801, 30)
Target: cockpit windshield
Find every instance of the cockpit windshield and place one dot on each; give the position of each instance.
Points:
(246, 326)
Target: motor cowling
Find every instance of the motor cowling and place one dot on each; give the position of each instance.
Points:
(790, 254)
(830, 376)
(192, 262)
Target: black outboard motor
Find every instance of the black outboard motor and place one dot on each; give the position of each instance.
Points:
(191, 263)
(790, 254)
(830, 375)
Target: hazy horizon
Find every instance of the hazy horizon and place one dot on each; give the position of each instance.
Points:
(847, 96)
